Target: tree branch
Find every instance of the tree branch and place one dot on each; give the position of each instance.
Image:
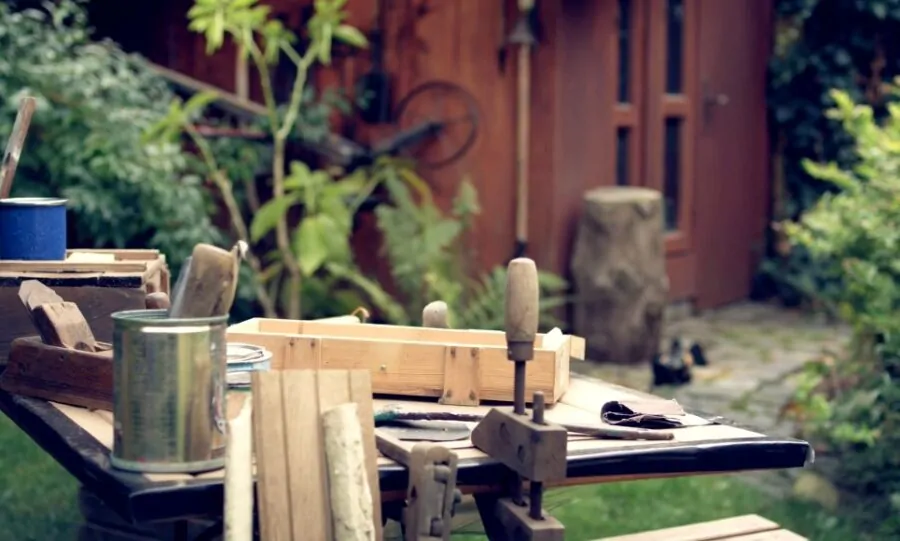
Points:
(234, 213)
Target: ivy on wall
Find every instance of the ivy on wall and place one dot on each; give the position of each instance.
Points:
(850, 45)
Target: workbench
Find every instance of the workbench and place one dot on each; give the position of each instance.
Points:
(80, 440)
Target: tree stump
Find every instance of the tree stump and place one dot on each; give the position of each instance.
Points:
(619, 273)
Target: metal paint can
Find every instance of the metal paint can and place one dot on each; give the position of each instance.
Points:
(169, 392)
(33, 228)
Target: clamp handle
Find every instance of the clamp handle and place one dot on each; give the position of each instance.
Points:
(522, 296)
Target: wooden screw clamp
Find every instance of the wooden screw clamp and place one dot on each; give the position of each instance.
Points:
(530, 447)
(431, 494)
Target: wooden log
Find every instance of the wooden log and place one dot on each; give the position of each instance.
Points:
(239, 477)
(619, 273)
(351, 499)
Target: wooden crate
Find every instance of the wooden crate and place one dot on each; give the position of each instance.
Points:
(98, 288)
(462, 367)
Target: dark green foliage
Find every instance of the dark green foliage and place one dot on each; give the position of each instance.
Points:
(853, 236)
(850, 45)
(94, 102)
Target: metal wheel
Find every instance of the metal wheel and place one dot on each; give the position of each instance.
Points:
(451, 109)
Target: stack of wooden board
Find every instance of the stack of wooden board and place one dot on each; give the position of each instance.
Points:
(296, 499)
(461, 367)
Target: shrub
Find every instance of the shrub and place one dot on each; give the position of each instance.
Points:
(853, 235)
(94, 103)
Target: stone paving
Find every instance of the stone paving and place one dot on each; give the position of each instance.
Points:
(756, 353)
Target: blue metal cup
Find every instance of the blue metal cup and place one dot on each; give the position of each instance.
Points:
(33, 228)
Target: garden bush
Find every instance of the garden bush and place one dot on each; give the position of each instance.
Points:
(851, 45)
(852, 407)
(85, 141)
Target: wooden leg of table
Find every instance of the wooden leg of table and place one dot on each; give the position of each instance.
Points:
(487, 505)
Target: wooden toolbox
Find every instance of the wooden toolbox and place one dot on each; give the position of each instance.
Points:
(462, 367)
(100, 282)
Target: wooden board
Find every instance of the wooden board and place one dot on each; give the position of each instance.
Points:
(743, 528)
(292, 485)
(580, 405)
(413, 361)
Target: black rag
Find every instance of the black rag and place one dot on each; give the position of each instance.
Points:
(642, 413)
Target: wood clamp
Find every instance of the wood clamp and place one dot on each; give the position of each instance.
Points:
(531, 447)
(431, 495)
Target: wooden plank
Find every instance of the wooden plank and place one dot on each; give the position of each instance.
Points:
(272, 485)
(72, 266)
(326, 327)
(707, 531)
(306, 459)
(411, 364)
(777, 535)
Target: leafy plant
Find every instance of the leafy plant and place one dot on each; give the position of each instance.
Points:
(853, 235)
(94, 102)
(264, 40)
(813, 55)
(429, 261)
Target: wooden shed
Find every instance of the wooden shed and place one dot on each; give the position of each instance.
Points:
(668, 94)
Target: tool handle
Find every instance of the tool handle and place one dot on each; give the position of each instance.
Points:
(435, 315)
(521, 305)
(14, 145)
(157, 300)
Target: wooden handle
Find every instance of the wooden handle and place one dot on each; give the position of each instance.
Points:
(158, 300)
(521, 301)
(14, 145)
(434, 315)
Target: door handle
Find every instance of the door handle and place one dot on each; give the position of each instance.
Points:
(712, 99)
(716, 99)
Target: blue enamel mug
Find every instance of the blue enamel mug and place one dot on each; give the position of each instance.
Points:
(33, 229)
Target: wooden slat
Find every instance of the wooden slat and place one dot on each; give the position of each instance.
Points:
(291, 465)
(270, 448)
(715, 530)
(476, 337)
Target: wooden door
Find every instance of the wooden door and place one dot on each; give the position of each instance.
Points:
(654, 118)
(732, 182)
(689, 121)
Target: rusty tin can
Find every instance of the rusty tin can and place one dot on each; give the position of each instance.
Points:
(169, 392)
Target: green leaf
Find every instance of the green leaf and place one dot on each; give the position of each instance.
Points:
(351, 35)
(268, 216)
(299, 178)
(198, 102)
(319, 239)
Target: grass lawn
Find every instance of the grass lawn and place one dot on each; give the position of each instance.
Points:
(38, 502)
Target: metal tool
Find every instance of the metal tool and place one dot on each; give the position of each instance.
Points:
(431, 494)
(532, 448)
(15, 144)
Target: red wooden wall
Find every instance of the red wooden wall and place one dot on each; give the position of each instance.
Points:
(574, 110)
